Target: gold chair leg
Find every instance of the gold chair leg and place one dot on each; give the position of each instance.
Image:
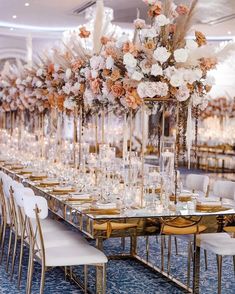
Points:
(176, 246)
(9, 250)
(169, 255)
(85, 279)
(123, 243)
(234, 264)
(147, 248)
(205, 258)
(104, 278)
(30, 273)
(42, 283)
(162, 252)
(219, 264)
(189, 263)
(14, 256)
(3, 242)
(20, 261)
(100, 279)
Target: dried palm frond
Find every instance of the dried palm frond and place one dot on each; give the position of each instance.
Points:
(183, 24)
(98, 26)
(167, 10)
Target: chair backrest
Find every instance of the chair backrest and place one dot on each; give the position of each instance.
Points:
(20, 193)
(7, 182)
(197, 182)
(30, 205)
(224, 189)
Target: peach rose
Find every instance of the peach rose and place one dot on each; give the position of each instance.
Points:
(115, 75)
(155, 10)
(60, 102)
(129, 47)
(207, 63)
(51, 100)
(133, 100)
(111, 51)
(84, 33)
(50, 69)
(200, 38)
(182, 9)
(117, 90)
(77, 64)
(95, 86)
(150, 44)
(104, 40)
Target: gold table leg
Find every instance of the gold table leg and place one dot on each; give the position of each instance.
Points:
(196, 267)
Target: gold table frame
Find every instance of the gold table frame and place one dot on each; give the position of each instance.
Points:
(85, 223)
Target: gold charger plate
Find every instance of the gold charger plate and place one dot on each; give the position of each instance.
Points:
(207, 208)
(37, 177)
(102, 211)
(183, 198)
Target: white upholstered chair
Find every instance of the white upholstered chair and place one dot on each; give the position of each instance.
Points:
(220, 244)
(76, 252)
(198, 184)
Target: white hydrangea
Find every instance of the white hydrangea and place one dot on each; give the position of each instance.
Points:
(69, 103)
(191, 44)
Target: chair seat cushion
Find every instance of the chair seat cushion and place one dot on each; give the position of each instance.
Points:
(114, 225)
(169, 230)
(229, 229)
(74, 255)
(219, 243)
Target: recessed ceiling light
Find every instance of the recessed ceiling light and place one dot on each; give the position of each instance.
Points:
(14, 16)
(26, 4)
(11, 29)
(229, 32)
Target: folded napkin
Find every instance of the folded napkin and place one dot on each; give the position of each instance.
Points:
(106, 205)
(79, 196)
(209, 203)
(64, 189)
(49, 182)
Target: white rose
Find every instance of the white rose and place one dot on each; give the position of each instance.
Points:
(191, 44)
(94, 74)
(68, 73)
(38, 84)
(196, 99)
(181, 55)
(18, 81)
(109, 62)
(56, 67)
(161, 20)
(176, 80)
(169, 71)
(69, 103)
(137, 76)
(129, 60)
(161, 54)
(28, 79)
(149, 33)
(39, 72)
(156, 70)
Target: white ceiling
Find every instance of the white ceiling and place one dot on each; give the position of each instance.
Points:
(50, 17)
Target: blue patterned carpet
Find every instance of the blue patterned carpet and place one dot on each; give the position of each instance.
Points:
(128, 276)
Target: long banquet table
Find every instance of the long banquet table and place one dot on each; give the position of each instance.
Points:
(142, 223)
